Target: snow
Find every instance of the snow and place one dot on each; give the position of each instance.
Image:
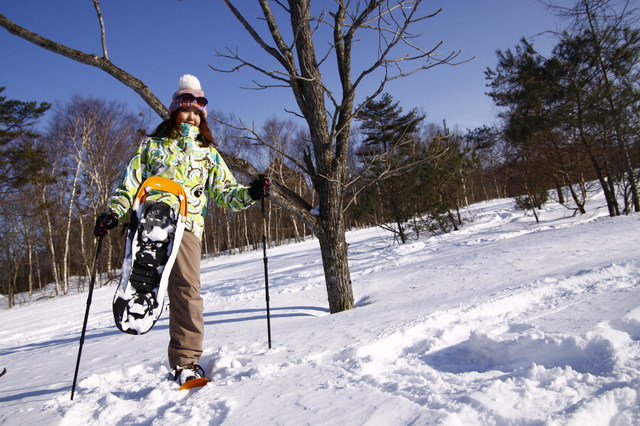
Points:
(505, 322)
(158, 233)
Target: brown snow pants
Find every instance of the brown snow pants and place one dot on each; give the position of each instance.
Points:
(186, 323)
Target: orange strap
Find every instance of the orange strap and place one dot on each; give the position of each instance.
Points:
(158, 183)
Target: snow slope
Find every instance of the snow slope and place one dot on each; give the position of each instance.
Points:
(504, 322)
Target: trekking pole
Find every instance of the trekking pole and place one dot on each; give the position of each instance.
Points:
(86, 313)
(266, 269)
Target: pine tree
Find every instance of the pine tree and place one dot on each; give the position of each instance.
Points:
(390, 144)
(389, 135)
(21, 161)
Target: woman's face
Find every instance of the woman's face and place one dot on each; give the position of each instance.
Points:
(189, 116)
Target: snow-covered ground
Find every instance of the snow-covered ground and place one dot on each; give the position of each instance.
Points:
(505, 322)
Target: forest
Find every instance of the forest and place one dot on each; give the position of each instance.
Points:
(567, 122)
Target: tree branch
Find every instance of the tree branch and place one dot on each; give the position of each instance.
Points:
(103, 63)
(277, 75)
(257, 137)
(280, 194)
(103, 33)
(273, 52)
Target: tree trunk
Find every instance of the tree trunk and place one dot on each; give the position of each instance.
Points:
(337, 276)
(51, 245)
(333, 247)
(69, 219)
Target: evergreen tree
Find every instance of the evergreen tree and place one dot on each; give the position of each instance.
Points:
(389, 135)
(21, 161)
(389, 149)
(573, 117)
(527, 86)
(445, 182)
(602, 89)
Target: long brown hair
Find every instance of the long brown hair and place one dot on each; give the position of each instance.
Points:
(171, 129)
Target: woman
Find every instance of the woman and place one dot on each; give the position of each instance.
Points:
(183, 149)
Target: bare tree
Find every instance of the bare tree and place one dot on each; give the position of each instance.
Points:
(328, 113)
(89, 141)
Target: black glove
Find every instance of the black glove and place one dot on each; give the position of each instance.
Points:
(105, 222)
(259, 188)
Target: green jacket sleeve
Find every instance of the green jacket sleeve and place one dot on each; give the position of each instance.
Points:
(130, 181)
(223, 188)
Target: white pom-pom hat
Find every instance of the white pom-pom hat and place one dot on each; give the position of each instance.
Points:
(189, 94)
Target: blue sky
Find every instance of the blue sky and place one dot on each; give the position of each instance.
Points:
(157, 41)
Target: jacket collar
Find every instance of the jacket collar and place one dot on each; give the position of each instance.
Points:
(186, 138)
(188, 131)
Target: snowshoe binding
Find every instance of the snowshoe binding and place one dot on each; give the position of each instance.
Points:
(187, 372)
(188, 376)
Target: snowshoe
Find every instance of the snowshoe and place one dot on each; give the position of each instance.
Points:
(189, 376)
(185, 373)
(151, 248)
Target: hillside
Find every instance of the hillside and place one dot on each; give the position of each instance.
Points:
(506, 321)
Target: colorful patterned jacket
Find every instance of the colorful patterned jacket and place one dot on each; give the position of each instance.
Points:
(200, 171)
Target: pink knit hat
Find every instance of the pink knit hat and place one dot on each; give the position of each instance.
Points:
(189, 94)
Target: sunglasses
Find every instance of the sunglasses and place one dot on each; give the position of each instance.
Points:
(188, 97)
